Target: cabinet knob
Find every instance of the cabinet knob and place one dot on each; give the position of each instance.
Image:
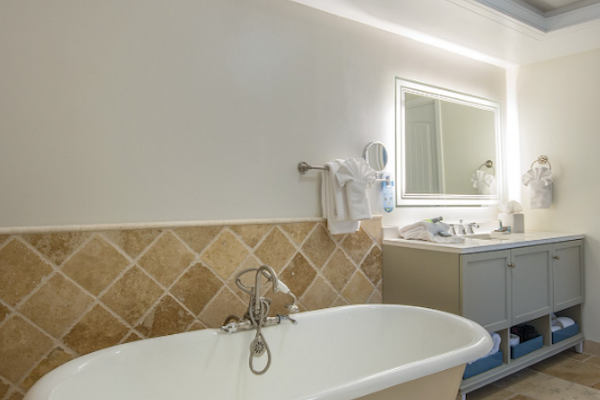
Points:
(556, 257)
(511, 265)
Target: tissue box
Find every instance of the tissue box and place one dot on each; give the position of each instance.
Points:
(482, 365)
(516, 221)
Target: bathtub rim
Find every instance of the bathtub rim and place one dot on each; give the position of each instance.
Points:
(474, 349)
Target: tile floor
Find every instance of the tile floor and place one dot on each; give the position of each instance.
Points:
(566, 376)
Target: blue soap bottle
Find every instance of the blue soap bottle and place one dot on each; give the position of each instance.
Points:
(388, 197)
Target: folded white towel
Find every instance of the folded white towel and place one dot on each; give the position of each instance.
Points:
(563, 322)
(540, 181)
(428, 231)
(356, 176)
(484, 183)
(555, 328)
(333, 202)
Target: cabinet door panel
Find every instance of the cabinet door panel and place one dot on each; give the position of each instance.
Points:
(568, 274)
(485, 289)
(531, 283)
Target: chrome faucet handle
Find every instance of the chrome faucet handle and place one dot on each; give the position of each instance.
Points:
(471, 227)
(452, 229)
(284, 317)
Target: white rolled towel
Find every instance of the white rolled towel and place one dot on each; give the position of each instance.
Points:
(555, 328)
(564, 322)
(514, 340)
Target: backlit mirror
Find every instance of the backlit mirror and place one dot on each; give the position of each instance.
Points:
(448, 147)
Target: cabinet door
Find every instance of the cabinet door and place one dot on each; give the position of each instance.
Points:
(568, 274)
(485, 286)
(531, 283)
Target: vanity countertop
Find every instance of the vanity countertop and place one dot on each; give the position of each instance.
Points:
(473, 244)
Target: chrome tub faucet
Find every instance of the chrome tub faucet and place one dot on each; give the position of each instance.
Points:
(256, 317)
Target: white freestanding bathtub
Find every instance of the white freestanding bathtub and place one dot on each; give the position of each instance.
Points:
(368, 351)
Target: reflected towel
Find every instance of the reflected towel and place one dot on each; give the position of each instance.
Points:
(484, 183)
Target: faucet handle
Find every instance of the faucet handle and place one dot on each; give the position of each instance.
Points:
(284, 317)
(472, 226)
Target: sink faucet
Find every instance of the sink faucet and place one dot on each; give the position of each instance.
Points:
(256, 317)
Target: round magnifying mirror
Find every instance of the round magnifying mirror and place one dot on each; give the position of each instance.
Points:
(376, 155)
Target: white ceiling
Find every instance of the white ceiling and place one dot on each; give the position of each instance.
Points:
(501, 32)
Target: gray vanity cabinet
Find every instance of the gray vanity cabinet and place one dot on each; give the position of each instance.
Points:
(507, 287)
(531, 281)
(568, 274)
(495, 286)
(486, 289)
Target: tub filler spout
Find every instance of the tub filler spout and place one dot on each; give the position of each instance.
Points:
(256, 316)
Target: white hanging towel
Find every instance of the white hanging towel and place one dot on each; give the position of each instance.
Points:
(333, 202)
(356, 176)
(540, 182)
(484, 183)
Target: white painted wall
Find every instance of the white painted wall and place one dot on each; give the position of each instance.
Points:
(148, 111)
(558, 111)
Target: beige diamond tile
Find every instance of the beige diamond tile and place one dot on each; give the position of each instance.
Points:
(4, 311)
(133, 242)
(339, 302)
(56, 358)
(376, 298)
(196, 326)
(339, 238)
(225, 254)
(357, 245)
(167, 318)
(57, 246)
(298, 275)
(57, 305)
(319, 295)
(3, 238)
(21, 270)
(132, 295)
(338, 270)
(95, 265)
(15, 396)
(132, 337)
(223, 305)
(198, 237)
(372, 265)
(319, 246)
(276, 250)
(252, 234)
(372, 227)
(196, 287)
(3, 388)
(358, 290)
(299, 231)
(98, 329)
(21, 345)
(166, 259)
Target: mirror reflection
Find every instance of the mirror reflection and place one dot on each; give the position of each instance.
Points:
(448, 147)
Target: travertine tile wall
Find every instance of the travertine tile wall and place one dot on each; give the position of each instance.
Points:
(67, 294)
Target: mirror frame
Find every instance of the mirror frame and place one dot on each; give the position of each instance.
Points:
(404, 86)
